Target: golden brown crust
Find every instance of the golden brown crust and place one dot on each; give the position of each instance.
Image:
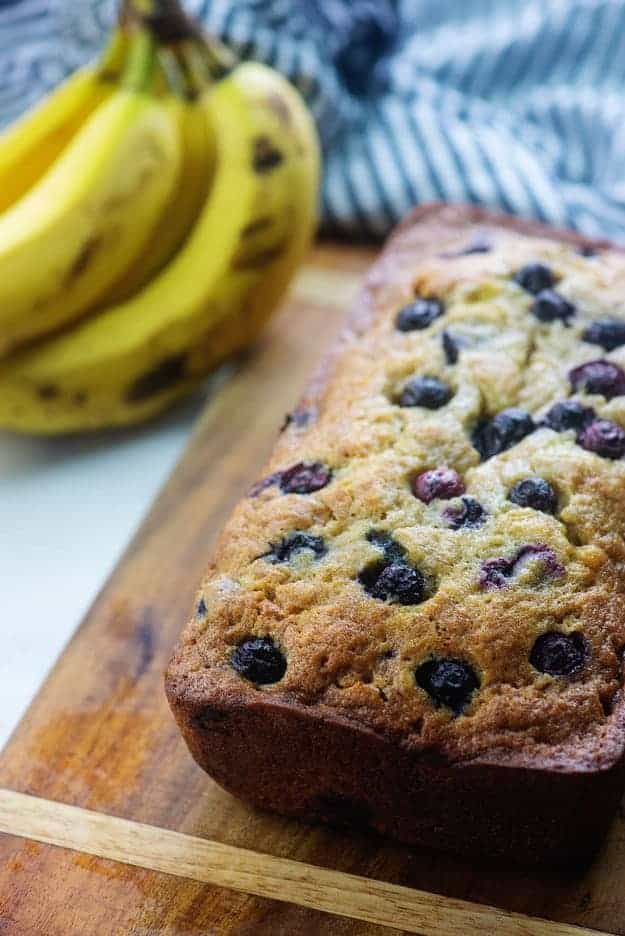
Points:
(351, 658)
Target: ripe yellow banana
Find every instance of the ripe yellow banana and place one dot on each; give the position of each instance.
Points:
(30, 145)
(299, 137)
(186, 200)
(131, 360)
(239, 329)
(84, 222)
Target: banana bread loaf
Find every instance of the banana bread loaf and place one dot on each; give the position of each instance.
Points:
(415, 620)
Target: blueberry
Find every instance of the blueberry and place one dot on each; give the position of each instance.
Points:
(418, 314)
(534, 492)
(302, 478)
(395, 582)
(559, 654)
(502, 432)
(393, 551)
(305, 477)
(608, 333)
(603, 437)
(259, 660)
(401, 583)
(497, 573)
(568, 415)
(429, 392)
(450, 348)
(469, 513)
(550, 306)
(534, 277)
(294, 543)
(440, 483)
(601, 377)
(544, 554)
(448, 682)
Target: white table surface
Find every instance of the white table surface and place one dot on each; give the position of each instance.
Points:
(67, 509)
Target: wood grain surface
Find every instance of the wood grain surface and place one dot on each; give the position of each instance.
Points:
(100, 736)
(240, 869)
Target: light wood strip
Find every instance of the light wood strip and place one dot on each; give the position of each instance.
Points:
(242, 870)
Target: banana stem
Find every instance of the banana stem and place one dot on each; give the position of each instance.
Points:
(170, 25)
(113, 56)
(166, 18)
(125, 13)
(200, 75)
(141, 60)
(175, 73)
(218, 58)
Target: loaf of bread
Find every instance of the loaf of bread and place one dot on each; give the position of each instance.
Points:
(415, 620)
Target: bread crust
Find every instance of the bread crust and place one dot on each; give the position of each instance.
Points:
(300, 754)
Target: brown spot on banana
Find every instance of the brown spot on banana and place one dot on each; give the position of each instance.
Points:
(162, 376)
(83, 259)
(265, 156)
(108, 76)
(191, 94)
(254, 259)
(257, 226)
(251, 255)
(48, 392)
(81, 262)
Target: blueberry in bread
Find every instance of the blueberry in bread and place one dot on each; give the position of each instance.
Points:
(608, 333)
(534, 492)
(534, 277)
(468, 512)
(259, 660)
(418, 314)
(415, 620)
(550, 306)
(441, 483)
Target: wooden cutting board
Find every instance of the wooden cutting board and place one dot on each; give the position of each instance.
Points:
(100, 752)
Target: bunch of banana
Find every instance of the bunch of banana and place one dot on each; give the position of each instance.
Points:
(175, 198)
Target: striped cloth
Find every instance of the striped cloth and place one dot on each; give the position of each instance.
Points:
(514, 104)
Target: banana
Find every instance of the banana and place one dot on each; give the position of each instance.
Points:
(187, 198)
(85, 221)
(241, 327)
(132, 360)
(30, 145)
(304, 169)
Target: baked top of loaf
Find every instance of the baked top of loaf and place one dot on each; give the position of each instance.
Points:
(436, 549)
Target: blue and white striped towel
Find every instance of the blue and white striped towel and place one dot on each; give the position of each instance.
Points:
(514, 104)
